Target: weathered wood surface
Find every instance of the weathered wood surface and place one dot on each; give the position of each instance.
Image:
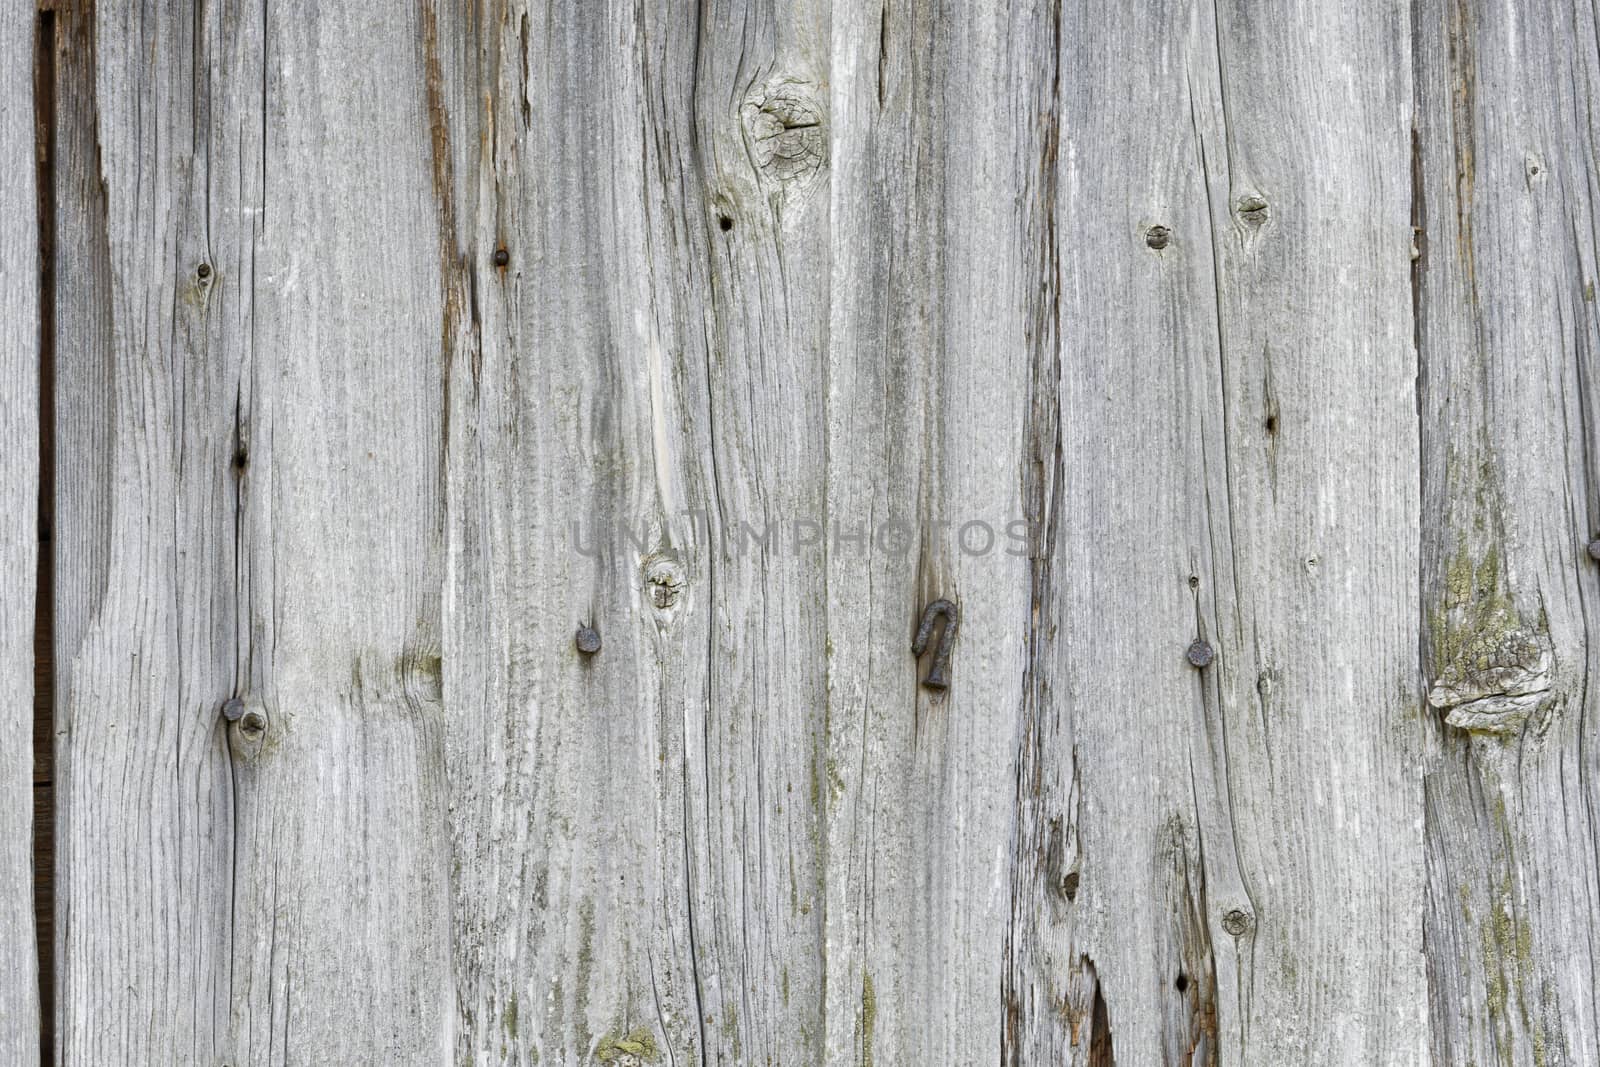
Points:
(394, 343)
(19, 533)
(250, 412)
(1507, 334)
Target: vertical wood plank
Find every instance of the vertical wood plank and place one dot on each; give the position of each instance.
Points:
(1317, 624)
(1313, 514)
(637, 431)
(937, 160)
(341, 528)
(1506, 328)
(1121, 836)
(1225, 859)
(145, 522)
(250, 453)
(19, 533)
(572, 913)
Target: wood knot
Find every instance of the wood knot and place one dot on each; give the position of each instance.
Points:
(1499, 676)
(664, 582)
(1237, 922)
(634, 1049)
(247, 725)
(422, 676)
(253, 725)
(787, 132)
(1534, 171)
(1252, 210)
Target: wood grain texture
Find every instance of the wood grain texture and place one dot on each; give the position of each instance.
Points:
(19, 532)
(929, 368)
(1224, 862)
(1313, 518)
(1506, 327)
(397, 343)
(249, 448)
(636, 833)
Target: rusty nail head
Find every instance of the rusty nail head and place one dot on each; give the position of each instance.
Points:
(233, 709)
(588, 640)
(501, 257)
(1157, 236)
(204, 270)
(1200, 654)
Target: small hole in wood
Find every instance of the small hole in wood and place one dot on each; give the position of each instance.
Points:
(1182, 984)
(1272, 425)
(203, 270)
(1194, 581)
(241, 460)
(725, 223)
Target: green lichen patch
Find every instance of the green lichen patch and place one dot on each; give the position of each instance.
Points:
(508, 1018)
(637, 1047)
(1492, 669)
(869, 1018)
(1506, 943)
(1477, 613)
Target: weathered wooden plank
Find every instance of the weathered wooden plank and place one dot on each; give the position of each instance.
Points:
(1319, 400)
(141, 887)
(19, 533)
(1225, 861)
(249, 505)
(636, 831)
(1312, 521)
(942, 142)
(1506, 328)
(571, 926)
(342, 414)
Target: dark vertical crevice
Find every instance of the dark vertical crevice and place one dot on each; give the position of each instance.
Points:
(1044, 862)
(44, 102)
(1101, 1053)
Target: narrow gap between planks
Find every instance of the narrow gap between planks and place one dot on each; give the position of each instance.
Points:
(44, 896)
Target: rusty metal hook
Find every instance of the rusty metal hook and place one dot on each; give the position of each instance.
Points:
(941, 656)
